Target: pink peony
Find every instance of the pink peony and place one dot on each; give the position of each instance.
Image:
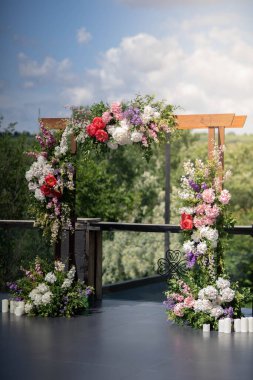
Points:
(199, 222)
(200, 210)
(178, 310)
(106, 117)
(212, 212)
(117, 111)
(208, 196)
(224, 197)
(189, 302)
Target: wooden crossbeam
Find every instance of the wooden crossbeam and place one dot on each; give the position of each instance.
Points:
(202, 121)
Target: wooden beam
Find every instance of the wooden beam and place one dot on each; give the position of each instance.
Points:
(54, 122)
(204, 120)
(238, 121)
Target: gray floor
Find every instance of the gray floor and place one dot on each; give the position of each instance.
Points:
(124, 338)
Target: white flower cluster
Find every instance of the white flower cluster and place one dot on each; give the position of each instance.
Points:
(41, 295)
(36, 174)
(210, 234)
(62, 149)
(59, 266)
(149, 113)
(70, 278)
(210, 298)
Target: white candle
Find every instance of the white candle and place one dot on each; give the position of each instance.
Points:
(19, 311)
(206, 328)
(221, 325)
(5, 306)
(250, 324)
(12, 306)
(237, 325)
(227, 325)
(244, 324)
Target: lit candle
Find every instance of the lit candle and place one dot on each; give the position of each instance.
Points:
(206, 328)
(227, 325)
(250, 323)
(5, 306)
(237, 325)
(221, 325)
(244, 324)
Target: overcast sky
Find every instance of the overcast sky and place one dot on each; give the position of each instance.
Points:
(197, 54)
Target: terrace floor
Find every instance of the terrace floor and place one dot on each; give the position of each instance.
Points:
(126, 337)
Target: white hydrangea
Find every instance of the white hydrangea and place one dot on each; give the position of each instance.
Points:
(201, 248)
(136, 136)
(46, 298)
(196, 236)
(217, 311)
(50, 277)
(201, 294)
(222, 283)
(39, 195)
(28, 307)
(42, 288)
(227, 295)
(37, 299)
(32, 186)
(188, 246)
(202, 305)
(66, 283)
(210, 292)
(39, 170)
(209, 233)
(33, 294)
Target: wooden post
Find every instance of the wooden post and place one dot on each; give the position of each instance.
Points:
(167, 193)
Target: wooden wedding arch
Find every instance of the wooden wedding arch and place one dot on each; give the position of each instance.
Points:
(214, 123)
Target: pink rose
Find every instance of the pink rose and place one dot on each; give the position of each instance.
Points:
(198, 222)
(224, 197)
(178, 310)
(208, 196)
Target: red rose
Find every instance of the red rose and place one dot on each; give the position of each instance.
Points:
(45, 190)
(186, 222)
(91, 130)
(55, 193)
(50, 180)
(98, 123)
(101, 135)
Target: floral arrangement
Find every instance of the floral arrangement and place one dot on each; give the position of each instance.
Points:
(143, 122)
(51, 291)
(187, 304)
(204, 215)
(205, 294)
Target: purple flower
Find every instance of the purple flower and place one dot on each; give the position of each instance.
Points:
(191, 259)
(204, 186)
(169, 303)
(88, 291)
(229, 312)
(194, 185)
(133, 115)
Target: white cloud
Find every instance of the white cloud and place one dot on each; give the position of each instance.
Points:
(213, 74)
(83, 36)
(50, 69)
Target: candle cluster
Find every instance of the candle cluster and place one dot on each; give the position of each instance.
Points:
(227, 325)
(16, 307)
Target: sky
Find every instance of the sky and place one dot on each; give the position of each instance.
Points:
(195, 54)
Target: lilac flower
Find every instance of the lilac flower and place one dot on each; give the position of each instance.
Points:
(204, 186)
(194, 185)
(169, 303)
(191, 259)
(133, 115)
(229, 312)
